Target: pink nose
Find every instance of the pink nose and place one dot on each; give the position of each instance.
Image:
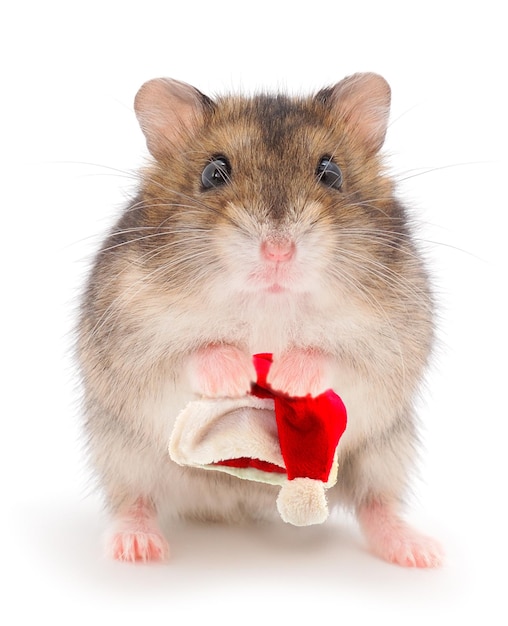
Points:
(277, 249)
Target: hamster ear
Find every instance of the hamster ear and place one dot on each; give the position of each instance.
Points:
(363, 102)
(167, 109)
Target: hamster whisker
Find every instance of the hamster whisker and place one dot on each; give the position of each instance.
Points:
(389, 277)
(449, 246)
(414, 173)
(155, 205)
(119, 303)
(369, 205)
(387, 239)
(152, 254)
(393, 235)
(418, 240)
(132, 175)
(159, 233)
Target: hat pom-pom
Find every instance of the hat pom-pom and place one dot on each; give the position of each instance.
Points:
(302, 502)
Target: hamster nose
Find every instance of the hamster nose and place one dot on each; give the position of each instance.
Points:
(277, 249)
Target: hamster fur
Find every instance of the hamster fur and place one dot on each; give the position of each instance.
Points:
(291, 242)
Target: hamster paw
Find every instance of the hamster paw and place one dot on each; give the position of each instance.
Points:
(136, 537)
(222, 371)
(137, 546)
(395, 541)
(300, 373)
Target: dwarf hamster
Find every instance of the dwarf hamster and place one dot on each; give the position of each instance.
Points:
(264, 223)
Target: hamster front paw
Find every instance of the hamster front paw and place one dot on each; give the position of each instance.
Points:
(221, 371)
(299, 373)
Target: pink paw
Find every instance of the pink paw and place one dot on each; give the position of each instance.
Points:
(222, 371)
(411, 549)
(137, 546)
(396, 542)
(136, 536)
(300, 372)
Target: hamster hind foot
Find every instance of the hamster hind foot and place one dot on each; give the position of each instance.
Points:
(395, 541)
(136, 537)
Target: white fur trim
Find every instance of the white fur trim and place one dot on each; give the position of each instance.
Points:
(212, 430)
(302, 502)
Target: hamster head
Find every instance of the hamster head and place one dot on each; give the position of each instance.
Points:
(267, 195)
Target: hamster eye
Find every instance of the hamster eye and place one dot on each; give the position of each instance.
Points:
(328, 173)
(216, 173)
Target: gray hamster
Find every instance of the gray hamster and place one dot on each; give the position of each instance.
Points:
(261, 224)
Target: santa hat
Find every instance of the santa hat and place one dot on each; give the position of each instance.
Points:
(269, 437)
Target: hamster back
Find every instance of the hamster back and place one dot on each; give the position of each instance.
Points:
(261, 224)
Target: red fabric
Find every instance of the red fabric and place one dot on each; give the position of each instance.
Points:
(309, 428)
(243, 462)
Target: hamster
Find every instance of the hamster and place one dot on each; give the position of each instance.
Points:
(262, 224)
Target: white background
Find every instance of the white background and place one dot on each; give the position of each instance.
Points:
(69, 139)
